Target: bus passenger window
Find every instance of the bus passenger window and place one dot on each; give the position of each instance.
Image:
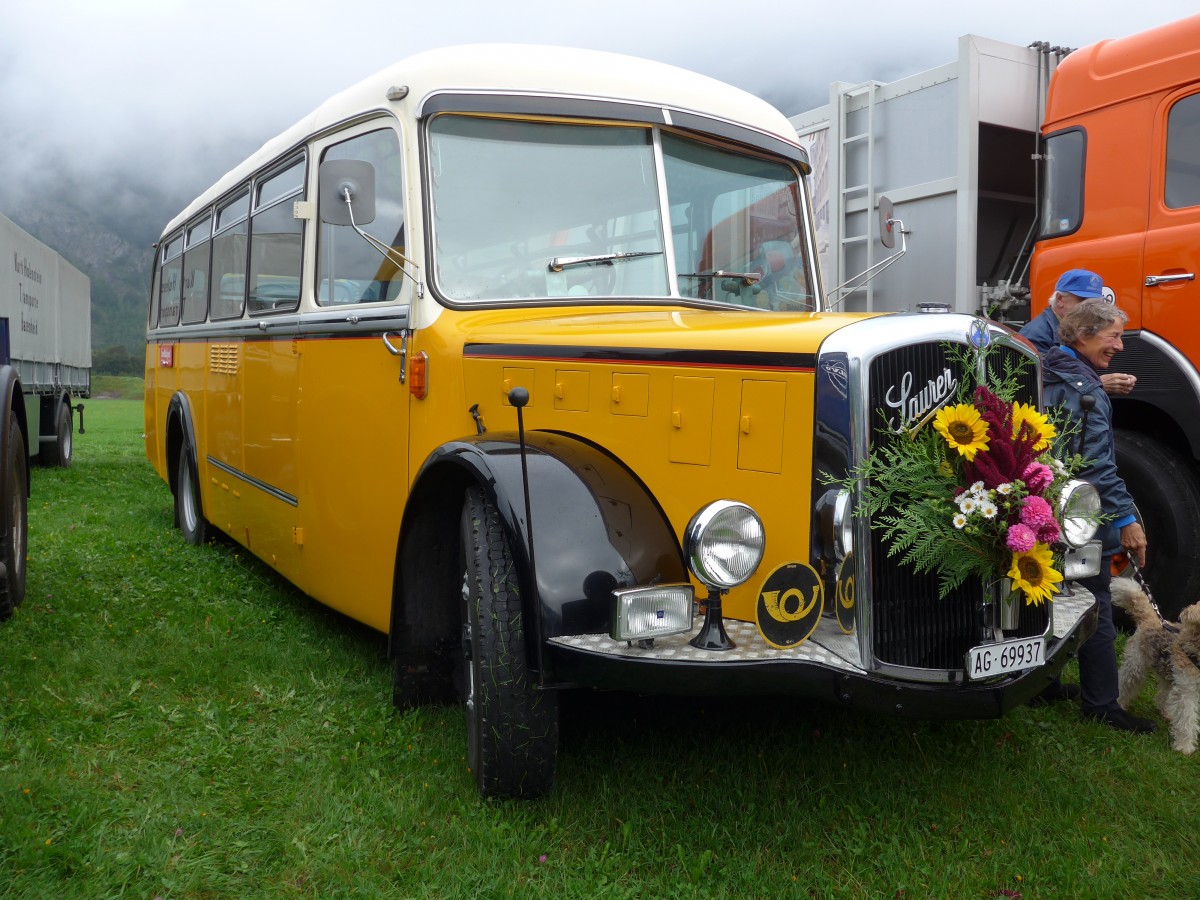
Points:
(349, 269)
(276, 243)
(168, 296)
(228, 283)
(195, 273)
(1183, 154)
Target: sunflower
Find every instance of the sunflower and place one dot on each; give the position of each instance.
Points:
(963, 428)
(1022, 413)
(1033, 573)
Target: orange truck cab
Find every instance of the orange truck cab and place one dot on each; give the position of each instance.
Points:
(1121, 196)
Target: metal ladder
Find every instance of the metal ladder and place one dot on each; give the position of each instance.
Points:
(854, 199)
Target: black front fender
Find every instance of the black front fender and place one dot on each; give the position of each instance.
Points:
(595, 525)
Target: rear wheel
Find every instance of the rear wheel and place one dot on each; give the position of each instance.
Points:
(512, 727)
(1167, 492)
(14, 522)
(189, 515)
(60, 452)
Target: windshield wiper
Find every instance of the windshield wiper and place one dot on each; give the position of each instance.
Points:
(561, 262)
(747, 277)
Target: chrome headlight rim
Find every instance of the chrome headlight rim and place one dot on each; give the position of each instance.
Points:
(724, 544)
(1079, 511)
(843, 525)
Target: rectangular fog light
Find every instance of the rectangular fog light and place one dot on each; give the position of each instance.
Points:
(641, 613)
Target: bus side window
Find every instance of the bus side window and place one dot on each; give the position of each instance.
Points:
(350, 270)
(276, 242)
(195, 273)
(1183, 154)
(228, 282)
(169, 282)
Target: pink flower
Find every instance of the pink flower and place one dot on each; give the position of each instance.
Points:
(1049, 532)
(1037, 477)
(1036, 512)
(1020, 538)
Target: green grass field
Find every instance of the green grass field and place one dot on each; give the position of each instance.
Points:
(176, 722)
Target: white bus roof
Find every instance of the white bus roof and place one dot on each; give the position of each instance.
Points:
(535, 70)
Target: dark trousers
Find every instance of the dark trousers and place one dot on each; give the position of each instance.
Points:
(1098, 655)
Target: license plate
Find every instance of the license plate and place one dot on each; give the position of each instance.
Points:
(990, 660)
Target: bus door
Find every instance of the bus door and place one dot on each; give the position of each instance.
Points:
(354, 405)
(264, 404)
(1171, 267)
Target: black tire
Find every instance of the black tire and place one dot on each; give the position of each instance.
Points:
(14, 522)
(512, 727)
(1166, 489)
(60, 453)
(189, 513)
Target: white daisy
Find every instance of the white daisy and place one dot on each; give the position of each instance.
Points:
(960, 520)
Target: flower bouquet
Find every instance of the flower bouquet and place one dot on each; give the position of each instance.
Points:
(974, 489)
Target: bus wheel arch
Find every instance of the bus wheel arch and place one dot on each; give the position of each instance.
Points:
(426, 627)
(183, 474)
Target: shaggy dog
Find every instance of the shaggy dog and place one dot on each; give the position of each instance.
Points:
(1170, 652)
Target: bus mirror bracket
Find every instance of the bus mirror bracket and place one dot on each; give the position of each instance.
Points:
(346, 196)
(889, 227)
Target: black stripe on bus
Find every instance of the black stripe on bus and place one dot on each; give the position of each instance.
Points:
(254, 482)
(712, 359)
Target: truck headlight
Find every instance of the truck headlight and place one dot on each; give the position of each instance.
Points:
(724, 544)
(1079, 510)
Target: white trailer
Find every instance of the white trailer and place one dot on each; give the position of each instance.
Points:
(46, 336)
(955, 150)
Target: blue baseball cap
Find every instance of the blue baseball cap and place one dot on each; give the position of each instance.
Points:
(1081, 283)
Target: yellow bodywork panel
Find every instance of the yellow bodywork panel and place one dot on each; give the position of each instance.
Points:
(308, 445)
(728, 417)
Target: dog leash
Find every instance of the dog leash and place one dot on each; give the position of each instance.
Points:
(1141, 582)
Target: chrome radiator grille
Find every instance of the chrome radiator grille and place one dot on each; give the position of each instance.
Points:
(909, 624)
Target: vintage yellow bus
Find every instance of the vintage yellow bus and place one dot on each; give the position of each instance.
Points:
(518, 354)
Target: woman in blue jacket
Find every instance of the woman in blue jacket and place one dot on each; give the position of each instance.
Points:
(1089, 336)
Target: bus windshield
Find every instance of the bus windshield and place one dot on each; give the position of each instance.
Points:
(540, 210)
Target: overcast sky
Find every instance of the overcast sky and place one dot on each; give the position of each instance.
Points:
(178, 91)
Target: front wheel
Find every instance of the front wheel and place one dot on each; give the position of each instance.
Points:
(512, 727)
(14, 522)
(189, 514)
(1166, 490)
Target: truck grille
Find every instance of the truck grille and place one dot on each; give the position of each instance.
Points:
(910, 625)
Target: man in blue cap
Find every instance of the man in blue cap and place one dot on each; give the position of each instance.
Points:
(1073, 286)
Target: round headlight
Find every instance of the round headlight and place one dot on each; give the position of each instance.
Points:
(1079, 510)
(724, 543)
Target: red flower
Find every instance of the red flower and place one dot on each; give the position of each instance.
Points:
(1007, 457)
